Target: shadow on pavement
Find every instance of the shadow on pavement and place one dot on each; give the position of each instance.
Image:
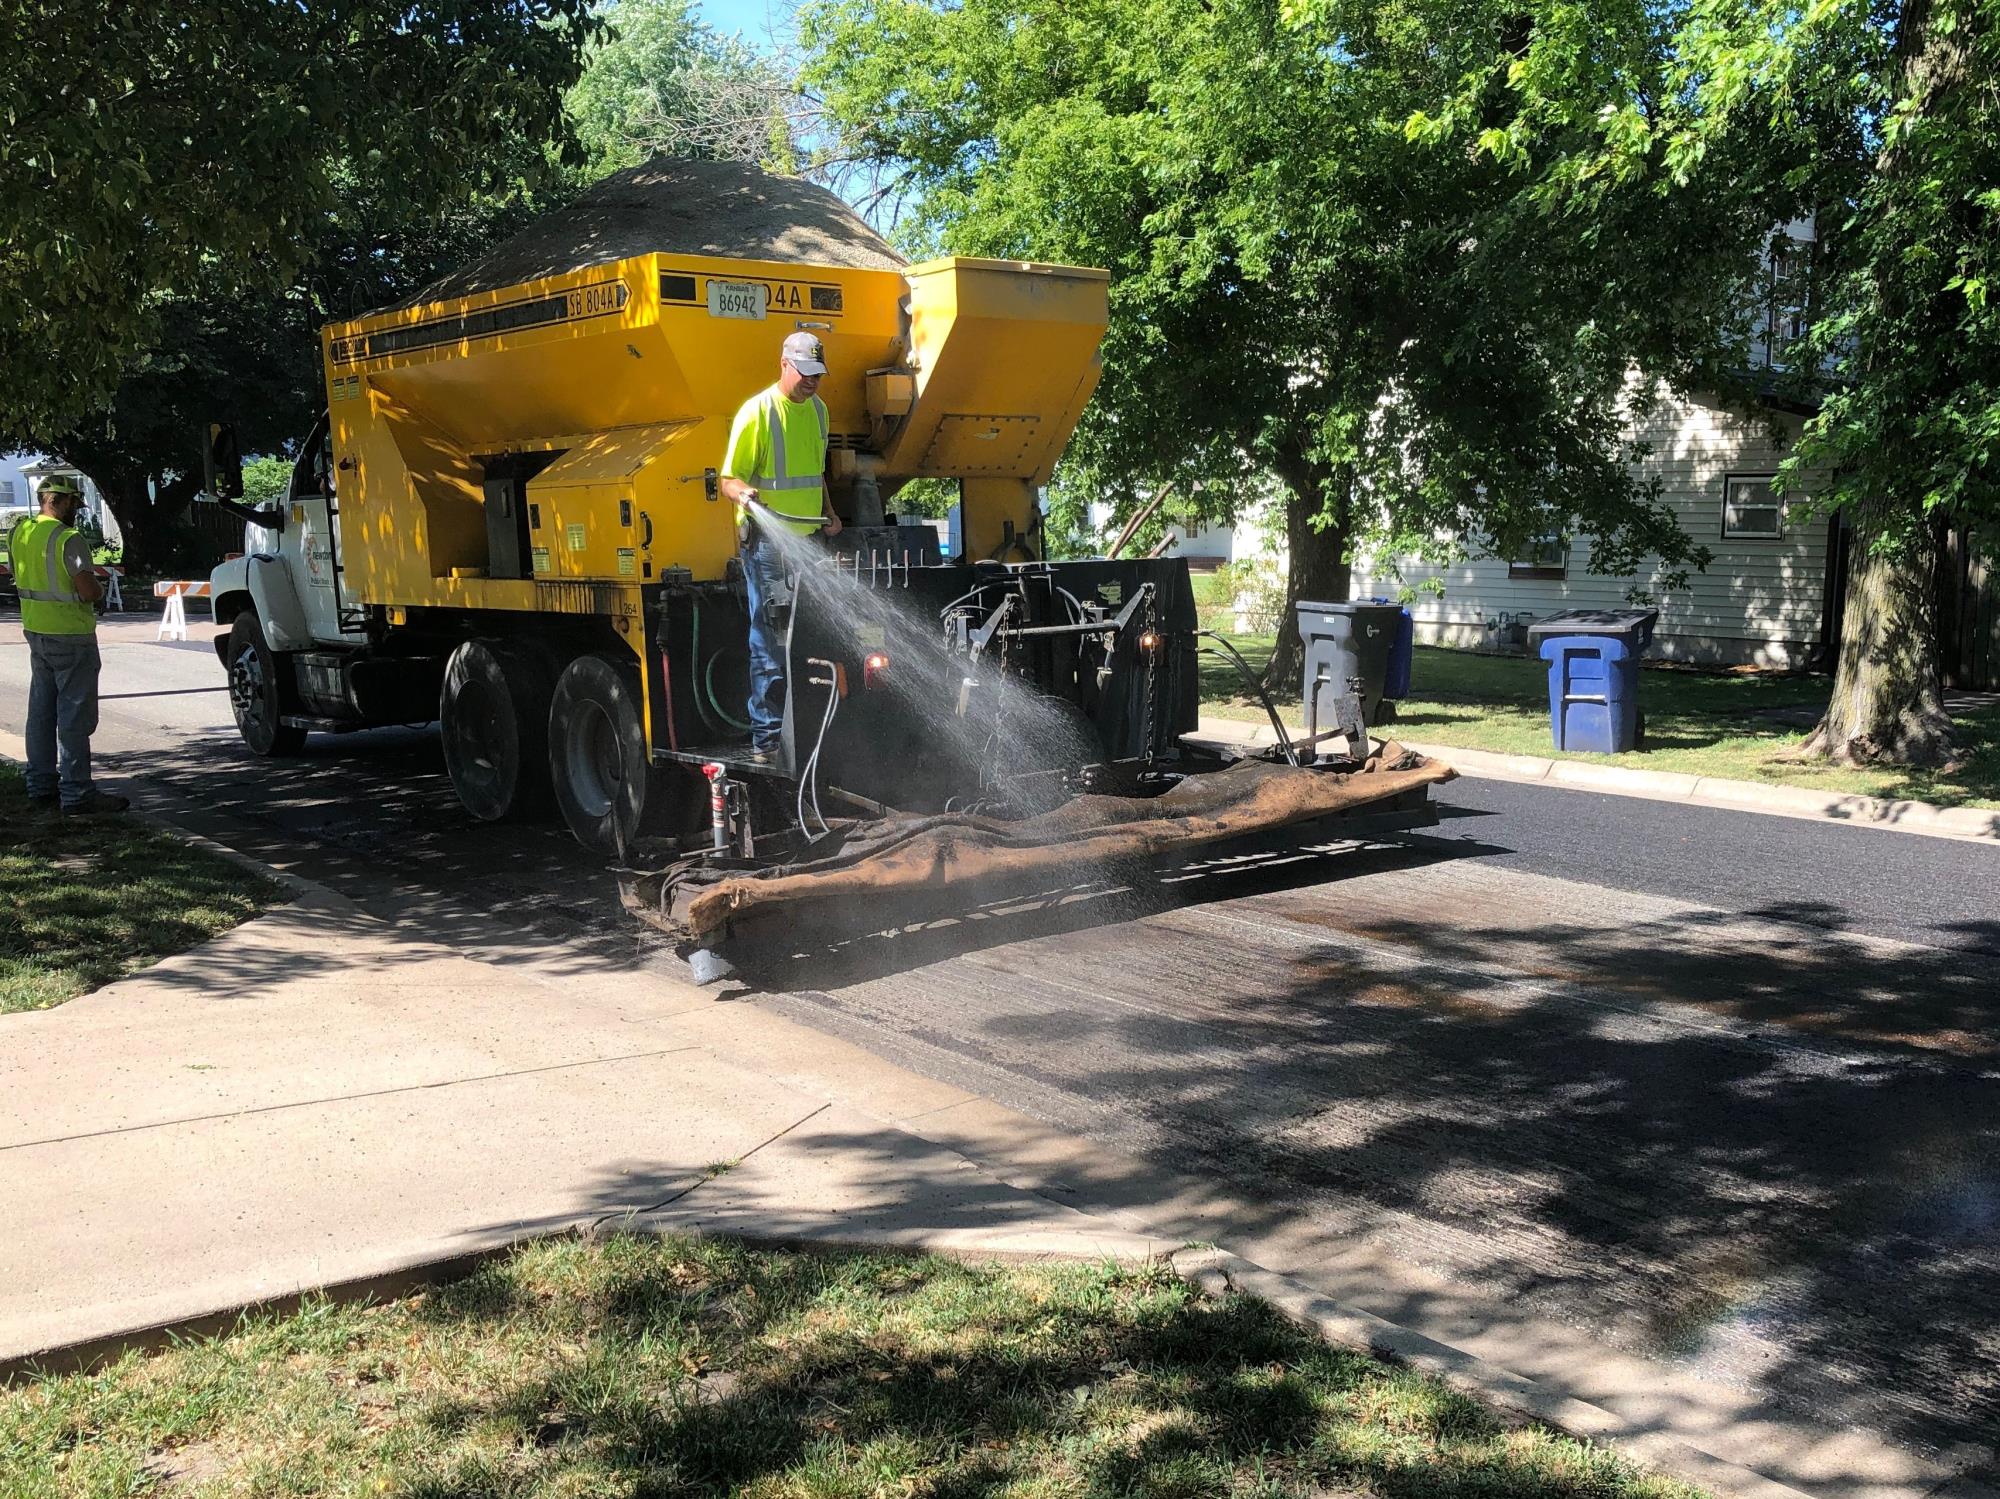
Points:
(372, 815)
(1758, 1146)
(1754, 1146)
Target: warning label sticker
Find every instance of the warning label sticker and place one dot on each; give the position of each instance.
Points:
(628, 562)
(541, 559)
(573, 535)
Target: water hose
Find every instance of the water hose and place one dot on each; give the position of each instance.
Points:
(694, 677)
(809, 776)
(703, 685)
(742, 726)
(1257, 686)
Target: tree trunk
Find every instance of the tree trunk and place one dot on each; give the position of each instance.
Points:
(1888, 696)
(148, 518)
(1318, 567)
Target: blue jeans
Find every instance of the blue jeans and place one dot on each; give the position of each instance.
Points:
(62, 714)
(764, 580)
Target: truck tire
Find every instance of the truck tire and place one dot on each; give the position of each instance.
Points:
(597, 753)
(255, 696)
(493, 716)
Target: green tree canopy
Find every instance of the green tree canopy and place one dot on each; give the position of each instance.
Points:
(1411, 339)
(253, 358)
(1880, 122)
(662, 82)
(153, 153)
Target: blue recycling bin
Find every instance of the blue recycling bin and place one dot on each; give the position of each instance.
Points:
(1593, 657)
(1402, 654)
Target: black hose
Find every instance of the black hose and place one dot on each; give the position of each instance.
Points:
(1257, 686)
(694, 676)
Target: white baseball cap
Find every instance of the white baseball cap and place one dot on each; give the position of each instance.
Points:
(805, 353)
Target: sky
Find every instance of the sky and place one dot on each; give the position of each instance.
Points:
(753, 18)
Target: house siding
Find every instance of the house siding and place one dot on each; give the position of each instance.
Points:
(1759, 603)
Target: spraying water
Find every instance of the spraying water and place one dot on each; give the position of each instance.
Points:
(998, 732)
(992, 725)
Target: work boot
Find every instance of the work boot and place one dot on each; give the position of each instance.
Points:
(43, 806)
(95, 803)
(759, 755)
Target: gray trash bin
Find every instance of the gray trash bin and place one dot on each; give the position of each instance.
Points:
(1344, 642)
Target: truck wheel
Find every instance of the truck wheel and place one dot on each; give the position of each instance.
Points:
(493, 714)
(254, 697)
(597, 753)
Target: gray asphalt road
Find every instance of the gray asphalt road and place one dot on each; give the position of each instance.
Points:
(1718, 1089)
(1923, 890)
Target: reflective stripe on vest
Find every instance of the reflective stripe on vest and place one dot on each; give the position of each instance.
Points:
(52, 568)
(774, 432)
(50, 604)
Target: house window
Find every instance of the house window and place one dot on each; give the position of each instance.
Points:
(1545, 557)
(1750, 510)
(1787, 299)
(6, 493)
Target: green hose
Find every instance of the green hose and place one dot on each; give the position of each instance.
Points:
(704, 682)
(708, 686)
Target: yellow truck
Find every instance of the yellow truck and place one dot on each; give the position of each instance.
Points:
(514, 473)
(510, 521)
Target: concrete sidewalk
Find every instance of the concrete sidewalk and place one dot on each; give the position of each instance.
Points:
(316, 1099)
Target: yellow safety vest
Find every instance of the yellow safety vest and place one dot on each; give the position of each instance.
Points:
(50, 604)
(779, 445)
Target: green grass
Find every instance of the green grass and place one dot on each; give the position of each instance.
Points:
(637, 1366)
(1738, 725)
(86, 901)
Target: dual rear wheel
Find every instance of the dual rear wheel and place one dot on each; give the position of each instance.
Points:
(518, 733)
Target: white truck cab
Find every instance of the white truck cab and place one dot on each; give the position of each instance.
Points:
(293, 641)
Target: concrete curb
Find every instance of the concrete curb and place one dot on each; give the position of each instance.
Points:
(1968, 824)
(1973, 824)
(1218, 1272)
(400, 1275)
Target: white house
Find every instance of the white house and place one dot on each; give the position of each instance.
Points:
(1763, 600)
(1207, 546)
(21, 475)
(1770, 595)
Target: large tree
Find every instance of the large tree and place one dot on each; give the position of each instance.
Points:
(1302, 284)
(171, 177)
(1879, 121)
(663, 82)
(1909, 329)
(251, 357)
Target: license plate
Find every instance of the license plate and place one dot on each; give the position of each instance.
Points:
(738, 299)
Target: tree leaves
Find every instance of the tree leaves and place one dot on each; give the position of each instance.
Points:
(1333, 248)
(162, 152)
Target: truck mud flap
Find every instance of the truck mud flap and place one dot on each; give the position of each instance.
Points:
(910, 868)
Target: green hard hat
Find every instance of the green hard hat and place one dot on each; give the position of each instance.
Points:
(59, 484)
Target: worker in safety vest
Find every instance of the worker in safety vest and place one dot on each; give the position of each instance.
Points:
(52, 570)
(777, 457)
